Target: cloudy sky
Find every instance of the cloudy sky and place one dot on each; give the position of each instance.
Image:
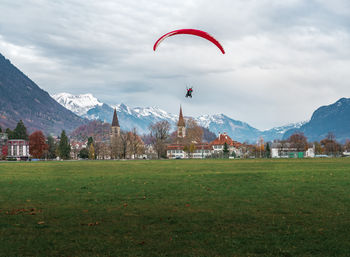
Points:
(283, 59)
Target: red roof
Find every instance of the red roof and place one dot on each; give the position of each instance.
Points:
(224, 138)
(175, 147)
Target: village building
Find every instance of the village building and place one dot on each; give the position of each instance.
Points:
(76, 147)
(346, 153)
(200, 151)
(286, 150)
(18, 149)
(310, 152)
(218, 145)
(150, 152)
(177, 150)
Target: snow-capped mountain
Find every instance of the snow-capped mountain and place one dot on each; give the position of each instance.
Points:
(140, 118)
(79, 104)
(242, 131)
(278, 132)
(238, 130)
(154, 112)
(129, 117)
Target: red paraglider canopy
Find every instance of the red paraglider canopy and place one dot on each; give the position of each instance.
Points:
(195, 32)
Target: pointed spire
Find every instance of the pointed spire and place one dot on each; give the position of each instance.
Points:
(181, 122)
(115, 122)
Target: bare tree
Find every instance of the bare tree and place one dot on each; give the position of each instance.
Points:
(247, 150)
(136, 146)
(101, 150)
(124, 144)
(97, 150)
(331, 146)
(347, 145)
(298, 141)
(159, 135)
(194, 133)
(318, 148)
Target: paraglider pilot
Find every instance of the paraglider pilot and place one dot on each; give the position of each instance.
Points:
(189, 92)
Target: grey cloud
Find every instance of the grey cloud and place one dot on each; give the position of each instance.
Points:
(284, 58)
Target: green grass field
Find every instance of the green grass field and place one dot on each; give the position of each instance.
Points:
(176, 208)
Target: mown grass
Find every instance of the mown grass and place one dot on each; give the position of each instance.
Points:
(176, 208)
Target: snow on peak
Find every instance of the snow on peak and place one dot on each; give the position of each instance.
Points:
(123, 108)
(155, 112)
(283, 129)
(78, 104)
(146, 112)
(206, 120)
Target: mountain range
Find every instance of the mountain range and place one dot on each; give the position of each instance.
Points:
(333, 118)
(88, 106)
(22, 99)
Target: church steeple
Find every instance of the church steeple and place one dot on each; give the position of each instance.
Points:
(115, 122)
(181, 126)
(181, 122)
(115, 129)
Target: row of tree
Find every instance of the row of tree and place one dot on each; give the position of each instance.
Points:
(298, 142)
(20, 132)
(39, 145)
(49, 148)
(129, 144)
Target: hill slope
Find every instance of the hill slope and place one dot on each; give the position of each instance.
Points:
(22, 99)
(333, 118)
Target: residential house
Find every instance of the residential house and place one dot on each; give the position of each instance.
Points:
(218, 145)
(75, 147)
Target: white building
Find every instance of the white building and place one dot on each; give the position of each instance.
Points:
(201, 151)
(285, 150)
(310, 152)
(346, 153)
(18, 149)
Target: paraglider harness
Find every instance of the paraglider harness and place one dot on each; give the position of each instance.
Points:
(189, 92)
